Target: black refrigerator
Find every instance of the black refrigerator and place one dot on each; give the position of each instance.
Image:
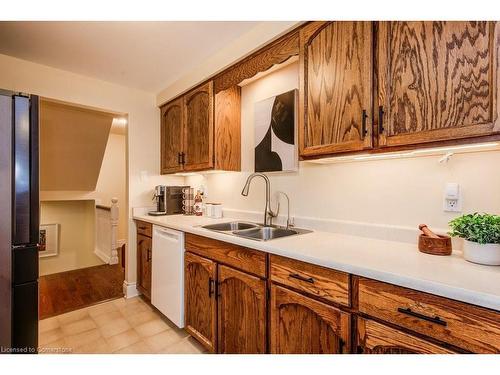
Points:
(19, 222)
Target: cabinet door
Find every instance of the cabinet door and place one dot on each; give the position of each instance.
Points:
(335, 108)
(437, 81)
(144, 265)
(171, 137)
(242, 312)
(199, 128)
(376, 338)
(301, 325)
(199, 298)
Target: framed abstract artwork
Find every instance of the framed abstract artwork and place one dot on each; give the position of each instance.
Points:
(276, 147)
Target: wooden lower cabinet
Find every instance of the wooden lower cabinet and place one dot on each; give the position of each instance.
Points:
(471, 328)
(311, 310)
(200, 304)
(144, 248)
(302, 325)
(242, 312)
(376, 338)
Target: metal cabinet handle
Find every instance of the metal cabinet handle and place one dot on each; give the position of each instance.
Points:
(149, 255)
(179, 158)
(341, 346)
(364, 116)
(211, 287)
(143, 228)
(436, 319)
(302, 278)
(381, 120)
(219, 287)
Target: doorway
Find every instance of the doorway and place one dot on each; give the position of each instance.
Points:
(83, 206)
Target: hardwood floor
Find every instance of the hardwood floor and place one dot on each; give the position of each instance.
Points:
(71, 290)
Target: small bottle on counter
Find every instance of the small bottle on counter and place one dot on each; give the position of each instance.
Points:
(198, 204)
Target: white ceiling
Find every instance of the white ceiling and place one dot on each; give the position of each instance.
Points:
(143, 55)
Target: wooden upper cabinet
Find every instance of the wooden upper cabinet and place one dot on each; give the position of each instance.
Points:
(200, 312)
(199, 128)
(335, 105)
(376, 338)
(301, 325)
(437, 81)
(228, 129)
(171, 137)
(242, 312)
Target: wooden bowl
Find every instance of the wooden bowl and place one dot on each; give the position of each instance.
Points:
(435, 246)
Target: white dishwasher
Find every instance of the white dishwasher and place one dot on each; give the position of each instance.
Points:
(167, 288)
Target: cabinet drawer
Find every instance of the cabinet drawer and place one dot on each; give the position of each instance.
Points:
(376, 338)
(146, 229)
(469, 327)
(248, 260)
(315, 280)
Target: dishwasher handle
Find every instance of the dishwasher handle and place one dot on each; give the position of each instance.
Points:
(176, 236)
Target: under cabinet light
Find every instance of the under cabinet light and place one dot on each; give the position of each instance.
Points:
(381, 156)
(457, 148)
(415, 153)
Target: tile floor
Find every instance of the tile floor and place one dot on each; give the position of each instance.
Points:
(128, 326)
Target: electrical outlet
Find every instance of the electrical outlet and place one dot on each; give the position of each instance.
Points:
(452, 198)
(451, 205)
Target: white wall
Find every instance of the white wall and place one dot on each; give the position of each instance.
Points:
(143, 126)
(403, 192)
(76, 221)
(112, 179)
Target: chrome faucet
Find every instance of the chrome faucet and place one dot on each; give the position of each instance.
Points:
(268, 213)
(289, 222)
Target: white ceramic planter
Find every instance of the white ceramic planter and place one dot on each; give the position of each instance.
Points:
(487, 254)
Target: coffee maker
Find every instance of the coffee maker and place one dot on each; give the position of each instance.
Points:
(168, 200)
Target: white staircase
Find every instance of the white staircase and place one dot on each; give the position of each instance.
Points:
(106, 231)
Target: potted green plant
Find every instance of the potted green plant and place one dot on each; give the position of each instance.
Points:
(481, 234)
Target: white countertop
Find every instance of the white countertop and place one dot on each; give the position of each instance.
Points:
(393, 262)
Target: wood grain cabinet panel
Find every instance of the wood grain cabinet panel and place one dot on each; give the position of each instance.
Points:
(228, 129)
(301, 325)
(376, 338)
(200, 310)
(472, 328)
(317, 281)
(144, 228)
(199, 128)
(144, 248)
(242, 312)
(335, 106)
(248, 260)
(437, 81)
(171, 137)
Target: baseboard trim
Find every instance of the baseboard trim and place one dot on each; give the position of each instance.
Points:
(130, 290)
(104, 257)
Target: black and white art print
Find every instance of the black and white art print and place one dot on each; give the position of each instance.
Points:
(275, 134)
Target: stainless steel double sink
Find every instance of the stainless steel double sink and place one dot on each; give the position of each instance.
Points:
(254, 231)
